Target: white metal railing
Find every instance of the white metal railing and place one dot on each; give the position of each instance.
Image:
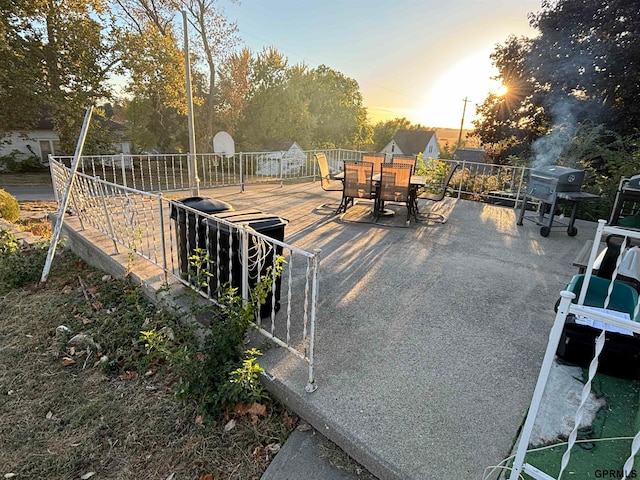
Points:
(168, 234)
(163, 173)
(570, 305)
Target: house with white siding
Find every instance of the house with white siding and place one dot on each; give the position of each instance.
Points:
(413, 142)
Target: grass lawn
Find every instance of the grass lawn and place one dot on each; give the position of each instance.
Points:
(18, 179)
(99, 407)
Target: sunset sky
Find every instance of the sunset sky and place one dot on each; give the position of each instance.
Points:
(412, 58)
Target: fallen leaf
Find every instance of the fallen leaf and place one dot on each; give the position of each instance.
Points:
(49, 415)
(289, 421)
(85, 321)
(96, 305)
(67, 289)
(251, 409)
(230, 425)
(258, 451)
(127, 375)
(10, 475)
(93, 290)
(199, 421)
(67, 362)
(170, 477)
(87, 475)
(72, 350)
(106, 278)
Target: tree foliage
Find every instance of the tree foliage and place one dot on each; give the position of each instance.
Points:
(581, 69)
(56, 59)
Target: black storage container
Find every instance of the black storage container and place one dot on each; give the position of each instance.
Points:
(228, 251)
(190, 230)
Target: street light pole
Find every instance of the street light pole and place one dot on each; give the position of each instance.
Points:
(192, 167)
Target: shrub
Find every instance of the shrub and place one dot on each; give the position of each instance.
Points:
(9, 208)
(19, 266)
(13, 164)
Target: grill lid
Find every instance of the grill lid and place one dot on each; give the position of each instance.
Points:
(559, 175)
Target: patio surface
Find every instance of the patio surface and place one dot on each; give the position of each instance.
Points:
(429, 339)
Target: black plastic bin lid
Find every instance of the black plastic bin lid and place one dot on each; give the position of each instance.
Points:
(202, 204)
(257, 220)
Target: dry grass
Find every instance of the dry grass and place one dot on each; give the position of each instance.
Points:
(37, 178)
(64, 415)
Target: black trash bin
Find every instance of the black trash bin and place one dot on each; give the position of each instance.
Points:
(226, 250)
(190, 230)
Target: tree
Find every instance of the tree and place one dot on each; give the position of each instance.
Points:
(581, 69)
(336, 106)
(383, 132)
(215, 38)
(509, 123)
(586, 61)
(60, 56)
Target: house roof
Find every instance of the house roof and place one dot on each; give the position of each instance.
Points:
(279, 145)
(413, 142)
(477, 155)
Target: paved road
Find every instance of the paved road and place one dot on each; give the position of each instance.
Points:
(30, 192)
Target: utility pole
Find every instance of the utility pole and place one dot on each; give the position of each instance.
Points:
(464, 109)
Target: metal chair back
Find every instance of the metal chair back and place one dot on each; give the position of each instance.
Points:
(395, 181)
(376, 159)
(325, 174)
(405, 160)
(358, 181)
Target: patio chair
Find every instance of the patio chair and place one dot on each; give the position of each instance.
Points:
(395, 186)
(328, 184)
(376, 159)
(358, 182)
(405, 160)
(435, 197)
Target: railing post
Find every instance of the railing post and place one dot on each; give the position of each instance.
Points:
(281, 168)
(241, 173)
(122, 169)
(163, 240)
(244, 246)
(311, 385)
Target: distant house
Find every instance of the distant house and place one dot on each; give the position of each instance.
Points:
(287, 158)
(472, 155)
(43, 140)
(413, 142)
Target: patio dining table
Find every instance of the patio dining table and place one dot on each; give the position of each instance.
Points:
(415, 182)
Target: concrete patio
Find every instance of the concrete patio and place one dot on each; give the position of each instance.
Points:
(429, 338)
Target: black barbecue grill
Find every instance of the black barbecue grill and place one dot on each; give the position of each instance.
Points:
(551, 185)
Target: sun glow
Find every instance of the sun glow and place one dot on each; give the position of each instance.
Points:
(502, 90)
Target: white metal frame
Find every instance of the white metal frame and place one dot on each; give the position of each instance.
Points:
(566, 307)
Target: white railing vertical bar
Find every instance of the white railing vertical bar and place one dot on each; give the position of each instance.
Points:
(274, 290)
(241, 173)
(244, 246)
(592, 258)
(311, 385)
(552, 345)
(123, 170)
(628, 465)
(163, 239)
(289, 282)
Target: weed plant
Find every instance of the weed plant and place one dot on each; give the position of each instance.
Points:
(19, 267)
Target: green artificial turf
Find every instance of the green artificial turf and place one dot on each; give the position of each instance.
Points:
(600, 459)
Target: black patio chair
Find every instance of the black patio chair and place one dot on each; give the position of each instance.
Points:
(435, 197)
